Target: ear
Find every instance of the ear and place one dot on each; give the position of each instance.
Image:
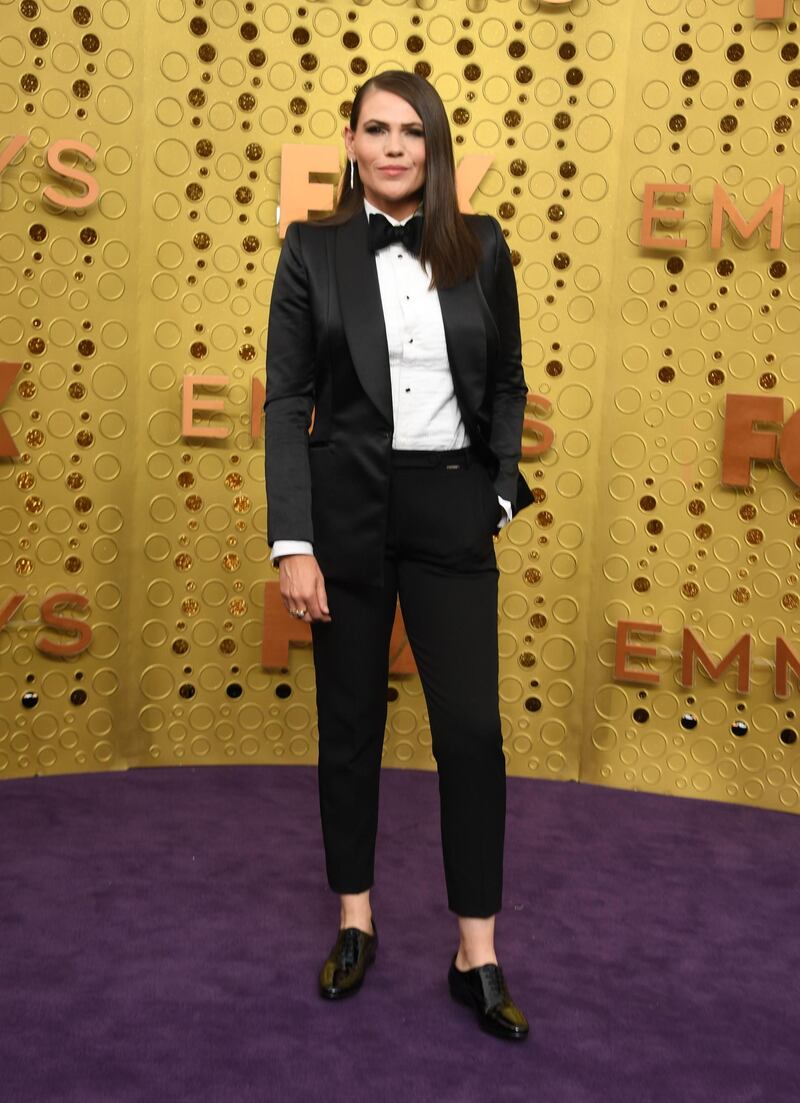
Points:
(348, 136)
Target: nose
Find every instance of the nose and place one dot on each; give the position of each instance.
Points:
(393, 146)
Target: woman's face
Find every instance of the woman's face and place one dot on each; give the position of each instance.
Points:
(388, 146)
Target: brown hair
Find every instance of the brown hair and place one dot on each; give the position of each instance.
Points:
(449, 245)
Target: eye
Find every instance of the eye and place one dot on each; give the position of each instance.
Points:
(416, 133)
(373, 128)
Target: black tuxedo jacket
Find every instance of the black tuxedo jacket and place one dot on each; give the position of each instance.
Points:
(327, 353)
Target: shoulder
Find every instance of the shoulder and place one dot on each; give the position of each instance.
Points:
(486, 228)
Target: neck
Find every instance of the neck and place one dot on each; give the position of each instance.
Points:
(399, 208)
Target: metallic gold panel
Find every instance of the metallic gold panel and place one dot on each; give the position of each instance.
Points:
(121, 494)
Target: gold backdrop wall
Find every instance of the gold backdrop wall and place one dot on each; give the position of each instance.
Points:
(169, 273)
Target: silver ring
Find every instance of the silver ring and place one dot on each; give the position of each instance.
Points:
(299, 613)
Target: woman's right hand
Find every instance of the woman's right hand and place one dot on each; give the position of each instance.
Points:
(303, 587)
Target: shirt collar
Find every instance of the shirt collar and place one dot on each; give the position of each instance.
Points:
(371, 209)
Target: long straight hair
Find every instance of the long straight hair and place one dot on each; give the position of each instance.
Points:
(449, 245)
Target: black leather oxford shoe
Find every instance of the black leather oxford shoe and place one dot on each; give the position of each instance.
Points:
(484, 990)
(344, 969)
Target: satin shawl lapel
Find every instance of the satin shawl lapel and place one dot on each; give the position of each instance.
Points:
(362, 313)
(465, 335)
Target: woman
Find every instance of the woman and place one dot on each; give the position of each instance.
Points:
(400, 334)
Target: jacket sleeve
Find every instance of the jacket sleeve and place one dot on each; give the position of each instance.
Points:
(289, 397)
(510, 390)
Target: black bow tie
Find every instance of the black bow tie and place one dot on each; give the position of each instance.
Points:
(381, 233)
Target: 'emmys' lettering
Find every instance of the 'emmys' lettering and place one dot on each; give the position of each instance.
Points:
(721, 204)
(770, 9)
(742, 442)
(694, 654)
(531, 425)
(8, 373)
(69, 172)
(51, 619)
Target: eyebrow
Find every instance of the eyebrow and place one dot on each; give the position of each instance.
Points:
(381, 122)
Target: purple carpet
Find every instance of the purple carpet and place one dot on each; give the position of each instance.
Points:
(161, 932)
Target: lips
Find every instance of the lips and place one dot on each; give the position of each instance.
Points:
(392, 170)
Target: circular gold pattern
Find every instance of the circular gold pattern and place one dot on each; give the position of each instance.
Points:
(747, 512)
(741, 595)
(212, 228)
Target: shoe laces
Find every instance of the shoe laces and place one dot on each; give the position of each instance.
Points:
(493, 984)
(349, 950)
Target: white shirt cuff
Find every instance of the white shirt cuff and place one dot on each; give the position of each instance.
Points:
(290, 547)
(507, 507)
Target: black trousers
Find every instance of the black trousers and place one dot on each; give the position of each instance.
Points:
(440, 561)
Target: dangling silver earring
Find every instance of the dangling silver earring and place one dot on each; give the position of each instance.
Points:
(352, 175)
